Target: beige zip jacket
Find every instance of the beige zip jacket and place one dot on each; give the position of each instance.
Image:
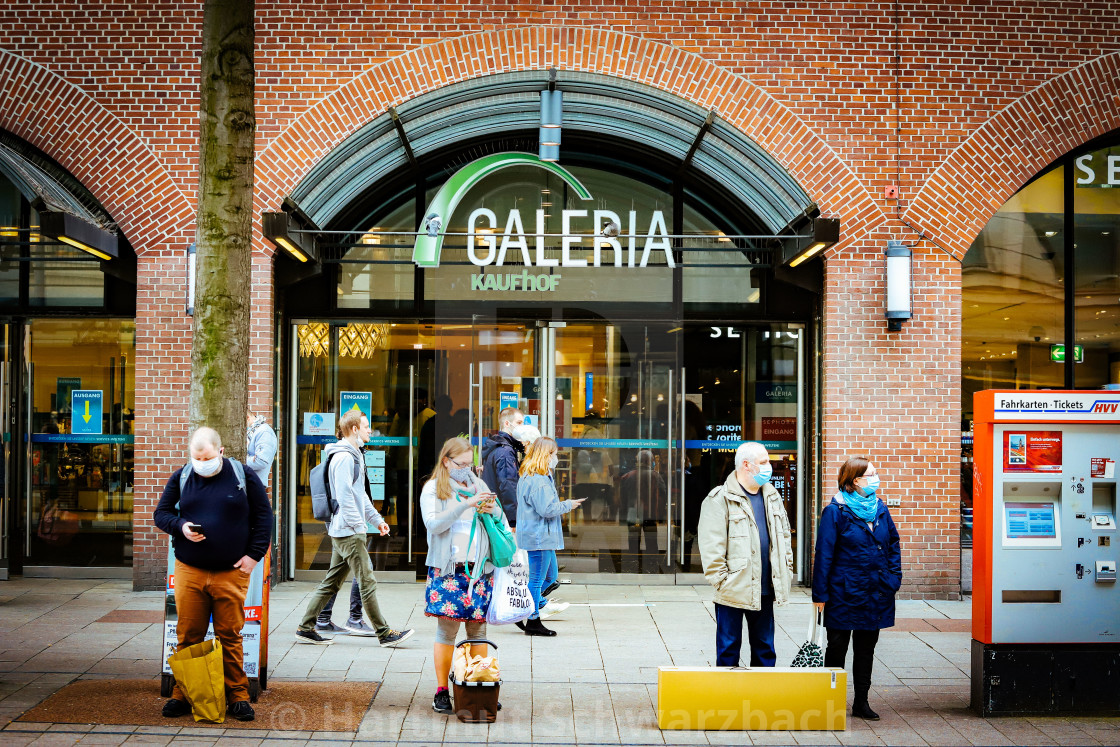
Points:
(729, 546)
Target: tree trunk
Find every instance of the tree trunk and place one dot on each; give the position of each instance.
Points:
(220, 350)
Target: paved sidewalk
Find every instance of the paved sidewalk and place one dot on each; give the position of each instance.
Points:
(595, 683)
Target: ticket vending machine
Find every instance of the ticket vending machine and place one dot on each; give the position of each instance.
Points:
(1045, 603)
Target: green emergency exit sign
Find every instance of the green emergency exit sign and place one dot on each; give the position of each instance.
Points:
(1058, 353)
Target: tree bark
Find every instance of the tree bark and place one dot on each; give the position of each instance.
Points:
(220, 350)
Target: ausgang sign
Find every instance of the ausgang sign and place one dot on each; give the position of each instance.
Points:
(528, 248)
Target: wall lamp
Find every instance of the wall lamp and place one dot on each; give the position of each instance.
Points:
(826, 232)
(899, 281)
(285, 233)
(72, 230)
(552, 117)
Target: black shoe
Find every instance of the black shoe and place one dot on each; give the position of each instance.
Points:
(174, 708)
(311, 636)
(863, 711)
(534, 626)
(520, 624)
(550, 588)
(441, 703)
(396, 637)
(242, 711)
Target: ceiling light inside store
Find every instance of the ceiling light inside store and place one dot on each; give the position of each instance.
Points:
(361, 340)
(1050, 233)
(314, 339)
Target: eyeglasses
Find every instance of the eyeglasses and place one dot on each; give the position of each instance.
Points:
(460, 465)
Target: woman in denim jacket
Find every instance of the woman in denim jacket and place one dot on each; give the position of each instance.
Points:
(538, 521)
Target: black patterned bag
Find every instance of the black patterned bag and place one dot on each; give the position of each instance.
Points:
(811, 653)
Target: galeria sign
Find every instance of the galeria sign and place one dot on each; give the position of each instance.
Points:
(483, 248)
(575, 250)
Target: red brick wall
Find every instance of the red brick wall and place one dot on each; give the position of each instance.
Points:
(985, 95)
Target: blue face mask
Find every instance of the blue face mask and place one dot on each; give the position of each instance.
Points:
(765, 472)
(872, 484)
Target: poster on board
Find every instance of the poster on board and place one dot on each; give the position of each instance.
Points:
(1032, 451)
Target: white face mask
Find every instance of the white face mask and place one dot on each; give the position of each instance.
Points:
(207, 467)
(553, 461)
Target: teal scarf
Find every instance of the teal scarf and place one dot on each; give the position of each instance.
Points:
(863, 506)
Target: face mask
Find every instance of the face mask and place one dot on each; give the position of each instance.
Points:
(461, 474)
(553, 461)
(207, 467)
(764, 473)
(872, 484)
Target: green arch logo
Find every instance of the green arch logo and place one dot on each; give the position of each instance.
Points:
(427, 249)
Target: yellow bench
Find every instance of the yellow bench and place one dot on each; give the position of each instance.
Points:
(764, 698)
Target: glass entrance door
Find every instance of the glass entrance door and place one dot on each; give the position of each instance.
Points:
(607, 393)
(376, 368)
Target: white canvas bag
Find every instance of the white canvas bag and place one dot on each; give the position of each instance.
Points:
(511, 601)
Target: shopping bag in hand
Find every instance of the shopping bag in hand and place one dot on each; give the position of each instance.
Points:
(811, 653)
(511, 601)
(198, 672)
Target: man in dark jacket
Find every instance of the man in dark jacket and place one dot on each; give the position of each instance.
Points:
(220, 528)
(501, 458)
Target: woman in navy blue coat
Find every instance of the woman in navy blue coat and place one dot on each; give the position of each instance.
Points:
(856, 572)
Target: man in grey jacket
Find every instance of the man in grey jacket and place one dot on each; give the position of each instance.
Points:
(347, 530)
(747, 553)
(261, 446)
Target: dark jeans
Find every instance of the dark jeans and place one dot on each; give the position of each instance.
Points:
(760, 634)
(355, 606)
(863, 655)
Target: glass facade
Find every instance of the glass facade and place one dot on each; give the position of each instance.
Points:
(642, 351)
(66, 400)
(1022, 307)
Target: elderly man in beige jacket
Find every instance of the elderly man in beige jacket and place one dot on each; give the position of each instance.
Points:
(747, 553)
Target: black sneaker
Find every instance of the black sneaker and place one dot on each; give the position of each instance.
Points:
(311, 636)
(396, 637)
(441, 703)
(242, 711)
(550, 588)
(174, 708)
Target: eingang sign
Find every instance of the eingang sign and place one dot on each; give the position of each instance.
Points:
(638, 242)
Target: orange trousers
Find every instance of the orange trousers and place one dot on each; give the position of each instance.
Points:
(200, 594)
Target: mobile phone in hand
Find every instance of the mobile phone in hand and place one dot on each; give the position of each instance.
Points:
(196, 528)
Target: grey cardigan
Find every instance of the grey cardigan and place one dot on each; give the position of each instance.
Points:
(439, 515)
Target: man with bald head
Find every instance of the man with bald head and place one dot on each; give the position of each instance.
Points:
(220, 524)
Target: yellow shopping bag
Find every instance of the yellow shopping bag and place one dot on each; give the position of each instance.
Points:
(198, 670)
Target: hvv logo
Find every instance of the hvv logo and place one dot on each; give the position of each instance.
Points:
(1106, 407)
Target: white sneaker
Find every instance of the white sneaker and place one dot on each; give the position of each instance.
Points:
(553, 608)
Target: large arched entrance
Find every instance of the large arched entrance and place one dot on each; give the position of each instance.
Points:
(630, 300)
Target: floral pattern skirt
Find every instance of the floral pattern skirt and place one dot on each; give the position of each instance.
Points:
(448, 596)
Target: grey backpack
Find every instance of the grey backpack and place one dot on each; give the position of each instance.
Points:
(323, 504)
(238, 470)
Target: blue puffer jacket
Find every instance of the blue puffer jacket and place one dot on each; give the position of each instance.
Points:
(501, 454)
(538, 514)
(856, 570)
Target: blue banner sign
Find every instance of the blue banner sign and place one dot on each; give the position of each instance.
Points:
(85, 411)
(78, 438)
(374, 441)
(506, 399)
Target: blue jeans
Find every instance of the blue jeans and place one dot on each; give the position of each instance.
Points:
(542, 567)
(729, 633)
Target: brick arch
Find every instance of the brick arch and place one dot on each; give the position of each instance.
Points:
(96, 148)
(1032, 132)
(820, 171)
